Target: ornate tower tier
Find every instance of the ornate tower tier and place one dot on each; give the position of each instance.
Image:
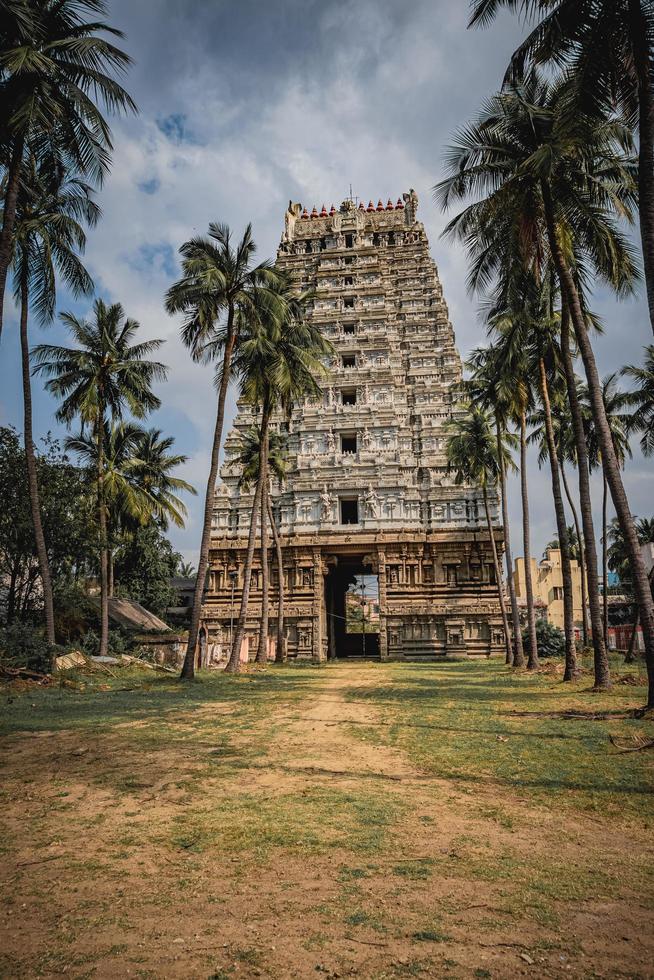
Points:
(367, 489)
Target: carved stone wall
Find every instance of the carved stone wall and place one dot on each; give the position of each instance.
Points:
(370, 449)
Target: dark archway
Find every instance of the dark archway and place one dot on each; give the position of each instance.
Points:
(352, 606)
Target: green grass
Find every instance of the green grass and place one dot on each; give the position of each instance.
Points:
(478, 723)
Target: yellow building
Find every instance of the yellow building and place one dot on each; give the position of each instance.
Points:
(547, 579)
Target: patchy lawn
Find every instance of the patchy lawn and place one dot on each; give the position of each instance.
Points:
(371, 820)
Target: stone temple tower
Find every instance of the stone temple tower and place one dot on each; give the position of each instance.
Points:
(367, 490)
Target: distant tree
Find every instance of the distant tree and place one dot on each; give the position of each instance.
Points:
(144, 565)
(551, 640)
(98, 381)
(65, 508)
(185, 569)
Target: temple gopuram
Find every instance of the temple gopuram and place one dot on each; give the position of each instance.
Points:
(368, 499)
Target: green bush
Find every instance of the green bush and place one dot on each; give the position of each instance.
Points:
(550, 639)
(119, 643)
(23, 645)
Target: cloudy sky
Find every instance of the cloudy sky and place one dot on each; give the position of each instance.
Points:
(245, 104)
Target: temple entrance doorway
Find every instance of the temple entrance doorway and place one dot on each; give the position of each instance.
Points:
(352, 606)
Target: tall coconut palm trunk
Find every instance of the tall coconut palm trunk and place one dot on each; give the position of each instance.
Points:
(532, 660)
(605, 563)
(498, 576)
(280, 651)
(32, 476)
(188, 669)
(234, 665)
(9, 221)
(630, 655)
(640, 45)
(582, 556)
(562, 530)
(614, 479)
(601, 666)
(262, 649)
(104, 549)
(518, 654)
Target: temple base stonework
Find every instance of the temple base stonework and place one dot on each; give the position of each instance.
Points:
(437, 597)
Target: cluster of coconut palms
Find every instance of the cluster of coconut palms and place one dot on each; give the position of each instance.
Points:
(250, 321)
(556, 167)
(57, 75)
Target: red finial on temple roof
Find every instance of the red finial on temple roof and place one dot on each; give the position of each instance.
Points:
(305, 214)
(400, 204)
(380, 206)
(371, 206)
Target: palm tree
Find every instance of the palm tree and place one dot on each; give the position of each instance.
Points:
(186, 570)
(98, 380)
(278, 363)
(55, 66)
(490, 388)
(48, 236)
(153, 466)
(139, 487)
(619, 423)
(473, 453)
(556, 187)
(248, 456)
(607, 47)
(565, 450)
(219, 292)
(642, 400)
(541, 323)
(512, 353)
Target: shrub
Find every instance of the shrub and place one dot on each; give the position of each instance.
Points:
(550, 639)
(119, 643)
(23, 645)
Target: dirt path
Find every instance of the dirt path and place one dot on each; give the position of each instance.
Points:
(325, 853)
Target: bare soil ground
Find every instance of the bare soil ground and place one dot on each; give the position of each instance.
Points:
(341, 821)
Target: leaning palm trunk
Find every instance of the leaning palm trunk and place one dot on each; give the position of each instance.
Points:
(498, 575)
(188, 669)
(642, 64)
(32, 476)
(573, 310)
(562, 530)
(605, 564)
(582, 557)
(262, 649)
(280, 651)
(518, 654)
(234, 665)
(532, 661)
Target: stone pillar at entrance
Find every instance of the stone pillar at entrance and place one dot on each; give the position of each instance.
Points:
(381, 585)
(318, 654)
